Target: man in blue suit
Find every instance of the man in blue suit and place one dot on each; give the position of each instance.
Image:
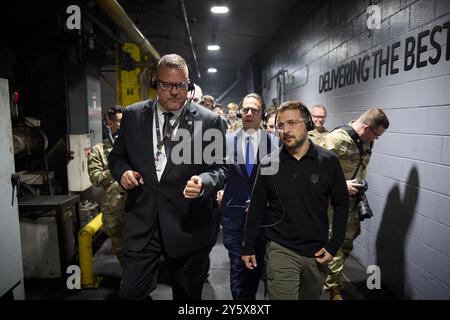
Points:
(245, 148)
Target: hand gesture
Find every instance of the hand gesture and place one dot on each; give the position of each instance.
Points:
(194, 188)
(131, 179)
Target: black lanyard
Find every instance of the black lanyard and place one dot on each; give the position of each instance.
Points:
(356, 139)
(160, 139)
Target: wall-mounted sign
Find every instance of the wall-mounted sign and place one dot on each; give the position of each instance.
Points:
(385, 61)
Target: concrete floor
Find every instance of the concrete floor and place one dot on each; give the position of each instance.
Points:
(216, 287)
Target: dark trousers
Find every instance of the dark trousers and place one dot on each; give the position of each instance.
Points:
(244, 282)
(140, 272)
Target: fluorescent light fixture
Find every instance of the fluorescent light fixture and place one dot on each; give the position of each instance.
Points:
(212, 70)
(219, 9)
(213, 47)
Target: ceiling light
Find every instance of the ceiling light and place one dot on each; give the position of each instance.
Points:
(213, 47)
(212, 70)
(219, 9)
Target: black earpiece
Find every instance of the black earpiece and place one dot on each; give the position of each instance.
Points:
(191, 86)
(153, 84)
(309, 123)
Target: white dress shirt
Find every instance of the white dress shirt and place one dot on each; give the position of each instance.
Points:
(161, 163)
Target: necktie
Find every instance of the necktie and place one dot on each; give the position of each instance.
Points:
(166, 130)
(249, 156)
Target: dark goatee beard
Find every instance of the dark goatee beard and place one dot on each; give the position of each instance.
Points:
(301, 142)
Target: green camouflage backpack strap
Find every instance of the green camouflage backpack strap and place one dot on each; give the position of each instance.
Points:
(355, 137)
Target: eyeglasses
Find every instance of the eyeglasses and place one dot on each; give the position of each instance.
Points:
(373, 131)
(291, 124)
(168, 86)
(253, 110)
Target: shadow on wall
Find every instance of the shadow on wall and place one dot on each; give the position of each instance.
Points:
(390, 245)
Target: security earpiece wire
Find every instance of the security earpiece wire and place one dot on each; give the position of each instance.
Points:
(282, 208)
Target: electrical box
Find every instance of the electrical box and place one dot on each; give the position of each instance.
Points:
(84, 99)
(77, 168)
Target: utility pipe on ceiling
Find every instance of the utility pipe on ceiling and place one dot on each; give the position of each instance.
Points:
(113, 9)
(188, 33)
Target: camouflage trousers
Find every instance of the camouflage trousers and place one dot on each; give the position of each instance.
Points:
(113, 224)
(336, 266)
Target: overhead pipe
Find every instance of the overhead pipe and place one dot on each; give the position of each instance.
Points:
(188, 33)
(113, 9)
(231, 87)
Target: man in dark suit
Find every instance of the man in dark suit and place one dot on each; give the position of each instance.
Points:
(245, 148)
(169, 185)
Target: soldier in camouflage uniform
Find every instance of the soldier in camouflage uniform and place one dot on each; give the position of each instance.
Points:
(367, 128)
(114, 197)
(235, 126)
(318, 115)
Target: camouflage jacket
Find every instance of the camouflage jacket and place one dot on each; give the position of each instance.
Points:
(340, 142)
(114, 196)
(235, 126)
(317, 136)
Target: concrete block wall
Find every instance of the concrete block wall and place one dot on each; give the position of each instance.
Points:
(409, 173)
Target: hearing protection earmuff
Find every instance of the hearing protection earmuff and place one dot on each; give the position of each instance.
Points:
(309, 123)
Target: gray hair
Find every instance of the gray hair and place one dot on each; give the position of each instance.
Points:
(319, 106)
(174, 61)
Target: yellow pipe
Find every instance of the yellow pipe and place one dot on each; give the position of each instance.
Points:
(113, 9)
(85, 248)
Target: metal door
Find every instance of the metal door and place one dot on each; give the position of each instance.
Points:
(11, 270)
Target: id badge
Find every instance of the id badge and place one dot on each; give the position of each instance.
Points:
(159, 161)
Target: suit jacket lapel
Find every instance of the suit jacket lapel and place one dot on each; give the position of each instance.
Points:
(264, 148)
(147, 129)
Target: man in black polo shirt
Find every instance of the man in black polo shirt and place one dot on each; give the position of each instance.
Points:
(290, 207)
